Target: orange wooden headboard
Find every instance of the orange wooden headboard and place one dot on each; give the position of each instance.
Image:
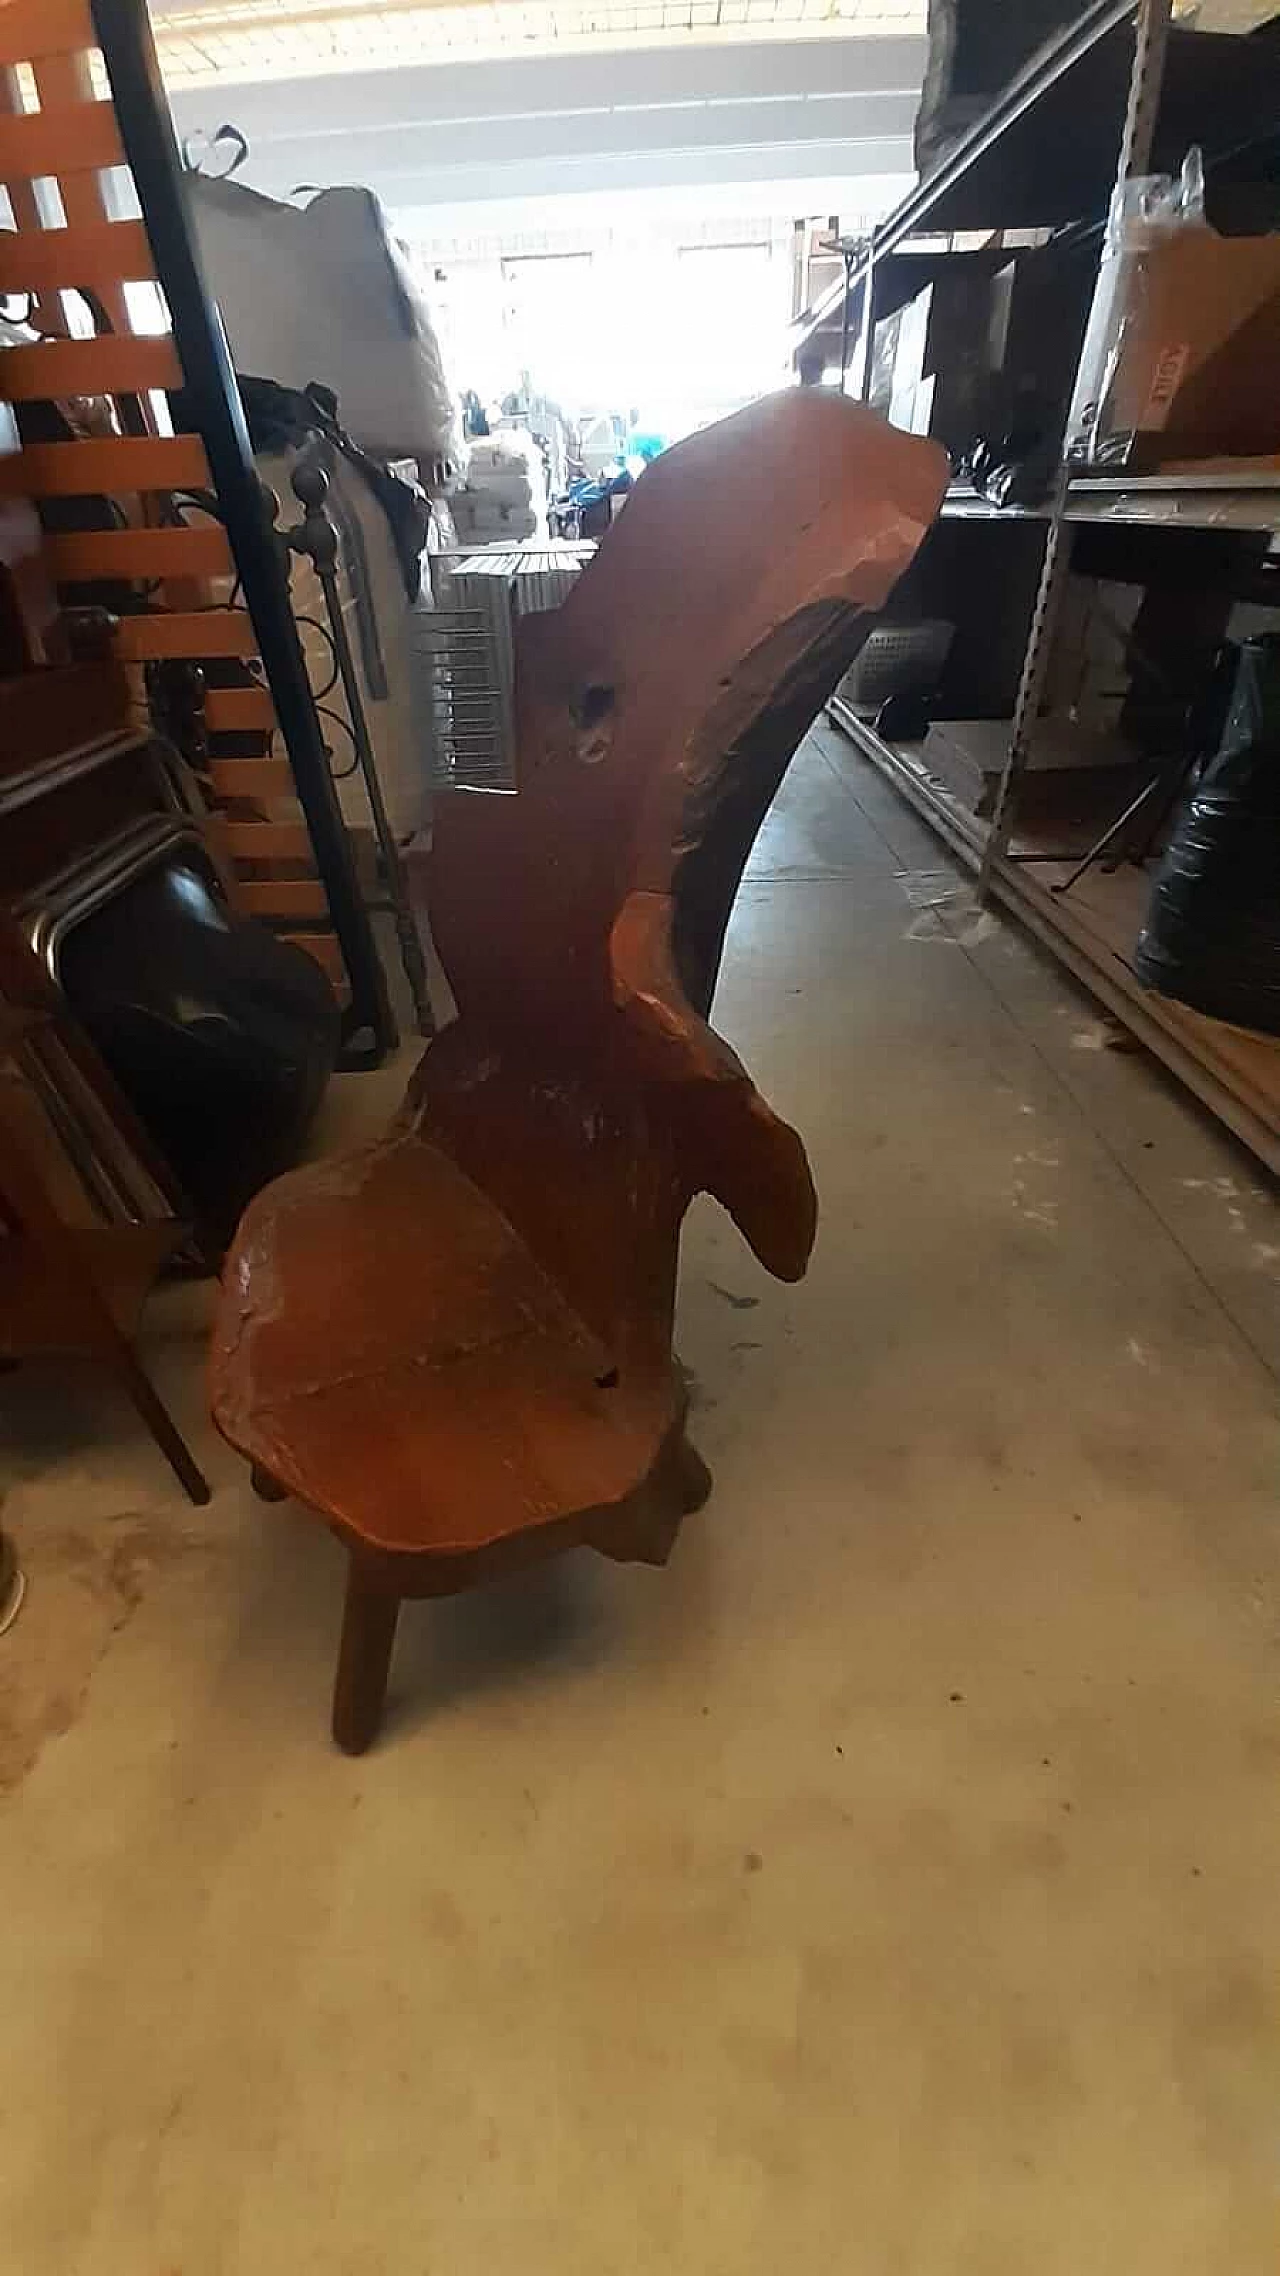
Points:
(57, 123)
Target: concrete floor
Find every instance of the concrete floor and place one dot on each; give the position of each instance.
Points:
(889, 1887)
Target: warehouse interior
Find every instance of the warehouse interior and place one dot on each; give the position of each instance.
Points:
(640, 1011)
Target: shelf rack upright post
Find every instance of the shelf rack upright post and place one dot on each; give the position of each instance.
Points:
(1121, 92)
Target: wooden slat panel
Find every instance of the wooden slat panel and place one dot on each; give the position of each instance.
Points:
(108, 366)
(201, 552)
(250, 778)
(284, 897)
(63, 80)
(324, 948)
(268, 841)
(29, 28)
(114, 467)
(239, 711)
(97, 254)
(212, 828)
(47, 313)
(208, 632)
(75, 141)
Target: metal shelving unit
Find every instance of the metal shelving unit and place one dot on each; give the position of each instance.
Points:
(1185, 501)
(1045, 154)
(1235, 1074)
(1113, 97)
(1195, 501)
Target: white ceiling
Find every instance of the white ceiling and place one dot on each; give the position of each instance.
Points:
(201, 41)
(746, 111)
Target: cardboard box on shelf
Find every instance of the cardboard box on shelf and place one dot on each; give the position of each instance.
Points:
(931, 369)
(1182, 355)
(1039, 303)
(1071, 771)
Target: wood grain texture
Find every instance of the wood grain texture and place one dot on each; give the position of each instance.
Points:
(100, 253)
(199, 632)
(81, 139)
(455, 1346)
(31, 28)
(116, 466)
(239, 711)
(250, 778)
(84, 556)
(65, 82)
(107, 365)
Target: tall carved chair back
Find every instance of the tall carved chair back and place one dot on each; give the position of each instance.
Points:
(581, 920)
(456, 1347)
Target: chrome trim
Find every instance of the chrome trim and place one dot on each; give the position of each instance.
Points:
(62, 902)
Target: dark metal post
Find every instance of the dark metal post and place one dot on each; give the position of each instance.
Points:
(316, 536)
(846, 255)
(1150, 43)
(867, 335)
(146, 129)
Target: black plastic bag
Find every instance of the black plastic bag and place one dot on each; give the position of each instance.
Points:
(1212, 936)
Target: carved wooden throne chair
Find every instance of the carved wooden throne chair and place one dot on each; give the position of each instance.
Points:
(455, 1345)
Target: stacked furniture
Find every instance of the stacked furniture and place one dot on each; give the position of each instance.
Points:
(62, 141)
(1057, 697)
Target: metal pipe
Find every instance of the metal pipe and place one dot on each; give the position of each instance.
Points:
(146, 130)
(867, 335)
(1109, 835)
(846, 253)
(317, 537)
(1146, 79)
(1141, 108)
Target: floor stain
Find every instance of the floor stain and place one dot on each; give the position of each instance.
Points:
(83, 1587)
(730, 1296)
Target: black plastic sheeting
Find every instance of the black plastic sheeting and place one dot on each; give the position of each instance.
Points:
(222, 1037)
(1212, 936)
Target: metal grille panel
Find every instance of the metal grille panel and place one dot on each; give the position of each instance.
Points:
(466, 653)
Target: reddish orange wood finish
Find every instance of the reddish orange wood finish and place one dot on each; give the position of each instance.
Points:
(240, 710)
(84, 555)
(118, 465)
(456, 1345)
(63, 143)
(103, 366)
(267, 841)
(100, 253)
(200, 632)
(30, 28)
(250, 778)
(72, 136)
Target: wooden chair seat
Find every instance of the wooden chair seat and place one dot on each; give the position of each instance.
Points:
(493, 1408)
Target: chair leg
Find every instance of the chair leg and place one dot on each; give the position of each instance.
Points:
(693, 1479)
(159, 1422)
(364, 1660)
(267, 1488)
